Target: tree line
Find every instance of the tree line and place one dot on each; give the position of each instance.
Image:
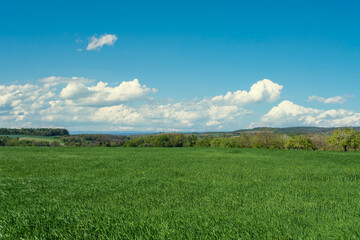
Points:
(340, 139)
(35, 131)
(345, 139)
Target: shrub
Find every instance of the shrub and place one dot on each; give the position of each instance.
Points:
(300, 142)
(203, 142)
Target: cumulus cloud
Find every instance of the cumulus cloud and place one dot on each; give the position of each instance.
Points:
(21, 100)
(176, 115)
(119, 114)
(74, 90)
(102, 94)
(223, 112)
(57, 100)
(262, 91)
(78, 101)
(82, 104)
(336, 99)
(288, 113)
(97, 43)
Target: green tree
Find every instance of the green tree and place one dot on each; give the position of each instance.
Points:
(191, 140)
(344, 137)
(216, 142)
(300, 142)
(355, 142)
(203, 142)
(230, 142)
(292, 143)
(162, 140)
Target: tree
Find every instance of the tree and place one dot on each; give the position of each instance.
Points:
(355, 142)
(203, 142)
(216, 142)
(292, 143)
(300, 142)
(191, 140)
(268, 139)
(345, 138)
(244, 140)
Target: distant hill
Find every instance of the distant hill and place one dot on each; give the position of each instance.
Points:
(122, 133)
(288, 131)
(293, 130)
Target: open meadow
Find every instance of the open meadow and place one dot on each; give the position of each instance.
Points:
(174, 193)
(33, 138)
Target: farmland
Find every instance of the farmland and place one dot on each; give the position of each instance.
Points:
(171, 193)
(33, 138)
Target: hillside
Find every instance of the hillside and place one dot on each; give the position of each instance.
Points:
(288, 130)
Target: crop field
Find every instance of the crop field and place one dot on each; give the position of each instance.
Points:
(178, 193)
(34, 138)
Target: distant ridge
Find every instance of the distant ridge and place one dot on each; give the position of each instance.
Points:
(286, 130)
(123, 133)
(293, 130)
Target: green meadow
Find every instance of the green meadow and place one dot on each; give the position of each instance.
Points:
(34, 138)
(178, 193)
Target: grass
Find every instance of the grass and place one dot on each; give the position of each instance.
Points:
(183, 193)
(34, 138)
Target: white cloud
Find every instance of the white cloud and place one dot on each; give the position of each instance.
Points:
(119, 114)
(97, 43)
(82, 104)
(74, 90)
(101, 94)
(336, 99)
(222, 112)
(262, 91)
(177, 115)
(288, 113)
(78, 103)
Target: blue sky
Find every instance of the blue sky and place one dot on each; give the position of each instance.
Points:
(185, 55)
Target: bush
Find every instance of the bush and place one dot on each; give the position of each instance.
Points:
(203, 142)
(191, 141)
(216, 142)
(230, 142)
(300, 142)
(244, 141)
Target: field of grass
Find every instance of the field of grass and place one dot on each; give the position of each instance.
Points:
(34, 138)
(172, 193)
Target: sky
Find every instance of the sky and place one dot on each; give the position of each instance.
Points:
(179, 65)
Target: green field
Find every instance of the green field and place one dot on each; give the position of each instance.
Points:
(34, 138)
(178, 193)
